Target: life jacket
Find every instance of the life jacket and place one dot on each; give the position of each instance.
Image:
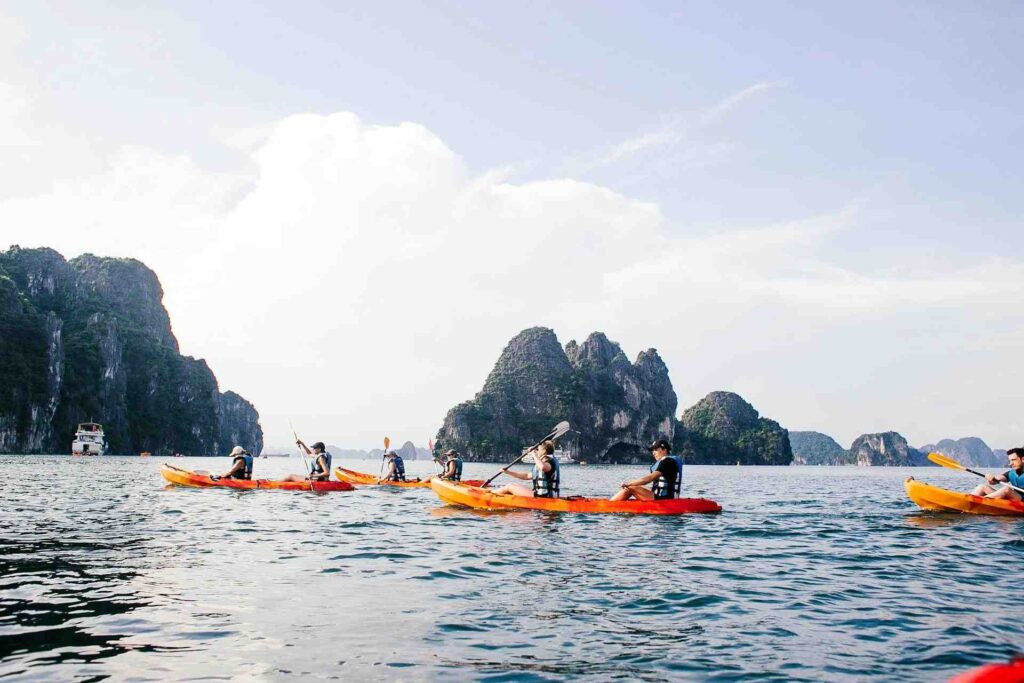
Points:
(545, 484)
(457, 476)
(315, 470)
(668, 489)
(1015, 479)
(399, 474)
(247, 473)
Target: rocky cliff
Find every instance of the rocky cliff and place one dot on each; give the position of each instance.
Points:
(90, 339)
(970, 451)
(815, 448)
(723, 429)
(615, 406)
(885, 449)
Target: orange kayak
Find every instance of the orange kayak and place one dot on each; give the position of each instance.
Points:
(181, 477)
(993, 673)
(940, 500)
(364, 479)
(475, 497)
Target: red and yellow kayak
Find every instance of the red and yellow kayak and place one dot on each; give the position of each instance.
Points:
(940, 500)
(993, 673)
(475, 497)
(364, 479)
(181, 477)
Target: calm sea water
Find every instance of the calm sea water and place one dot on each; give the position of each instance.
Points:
(809, 574)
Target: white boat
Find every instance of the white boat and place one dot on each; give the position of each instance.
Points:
(88, 439)
(563, 456)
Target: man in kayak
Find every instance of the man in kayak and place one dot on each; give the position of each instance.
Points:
(545, 475)
(666, 477)
(1013, 476)
(320, 469)
(241, 466)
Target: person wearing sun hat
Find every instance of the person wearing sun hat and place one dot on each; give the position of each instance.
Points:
(666, 476)
(241, 465)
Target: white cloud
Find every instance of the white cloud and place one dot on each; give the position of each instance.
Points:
(735, 100)
(361, 281)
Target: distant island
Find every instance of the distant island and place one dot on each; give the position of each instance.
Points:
(90, 340)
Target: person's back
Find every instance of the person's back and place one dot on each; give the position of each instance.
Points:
(670, 482)
(241, 464)
(396, 472)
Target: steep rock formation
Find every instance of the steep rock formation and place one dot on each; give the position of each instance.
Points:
(90, 339)
(885, 449)
(616, 407)
(970, 451)
(815, 448)
(722, 429)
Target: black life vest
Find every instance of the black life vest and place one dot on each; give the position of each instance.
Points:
(663, 489)
(315, 470)
(247, 472)
(399, 474)
(546, 484)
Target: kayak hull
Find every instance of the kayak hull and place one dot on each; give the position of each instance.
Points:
(181, 477)
(363, 479)
(993, 673)
(475, 497)
(933, 498)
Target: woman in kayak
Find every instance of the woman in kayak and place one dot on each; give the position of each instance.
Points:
(396, 468)
(452, 467)
(241, 466)
(320, 469)
(1013, 476)
(545, 475)
(666, 477)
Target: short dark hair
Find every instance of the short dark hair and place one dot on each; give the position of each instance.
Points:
(1016, 451)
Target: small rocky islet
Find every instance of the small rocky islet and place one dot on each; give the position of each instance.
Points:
(90, 339)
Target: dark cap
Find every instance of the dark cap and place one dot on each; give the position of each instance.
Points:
(451, 451)
(319, 445)
(660, 443)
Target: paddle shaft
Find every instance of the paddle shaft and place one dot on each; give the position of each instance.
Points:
(303, 456)
(1004, 483)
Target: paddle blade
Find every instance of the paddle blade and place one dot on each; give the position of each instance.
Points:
(561, 429)
(387, 442)
(942, 461)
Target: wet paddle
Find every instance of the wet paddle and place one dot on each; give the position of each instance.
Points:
(560, 430)
(943, 461)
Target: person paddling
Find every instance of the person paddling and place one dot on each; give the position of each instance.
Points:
(666, 477)
(241, 465)
(452, 466)
(395, 468)
(1013, 476)
(320, 468)
(545, 475)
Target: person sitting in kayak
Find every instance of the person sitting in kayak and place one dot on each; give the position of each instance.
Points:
(319, 469)
(241, 466)
(395, 468)
(666, 477)
(545, 475)
(452, 467)
(1013, 476)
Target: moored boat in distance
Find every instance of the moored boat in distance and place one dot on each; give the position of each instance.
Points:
(89, 439)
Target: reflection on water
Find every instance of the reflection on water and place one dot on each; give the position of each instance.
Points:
(809, 574)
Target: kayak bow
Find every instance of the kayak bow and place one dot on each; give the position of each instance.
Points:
(181, 477)
(475, 497)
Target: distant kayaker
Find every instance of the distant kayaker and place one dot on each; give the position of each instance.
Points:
(545, 475)
(241, 465)
(1013, 476)
(452, 466)
(666, 477)
(320, 468)
(395, 468)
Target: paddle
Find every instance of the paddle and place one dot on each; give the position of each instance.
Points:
(943, 461)
(302, 455)
(560, 429)
(383, 458)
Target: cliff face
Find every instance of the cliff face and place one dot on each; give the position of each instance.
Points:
(90, 339)
(722, 429)
(885, 449)
(815, 448)
(970, 451)
(616, 407)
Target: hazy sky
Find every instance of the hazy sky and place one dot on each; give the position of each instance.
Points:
(353, 209)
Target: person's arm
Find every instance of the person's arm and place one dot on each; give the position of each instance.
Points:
(519, 475)
(996, 478)
(389, 474)
(642, 481)
(325, 475)
(239, 465)
(299, 442)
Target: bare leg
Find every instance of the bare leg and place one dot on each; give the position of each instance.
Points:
(638, 492)
(295, 477)
(1005, 493)
(982, 490)
(514, 490)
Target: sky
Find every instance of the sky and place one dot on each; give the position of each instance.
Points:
(353, 209)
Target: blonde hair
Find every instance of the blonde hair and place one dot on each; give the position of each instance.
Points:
(548, 447)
